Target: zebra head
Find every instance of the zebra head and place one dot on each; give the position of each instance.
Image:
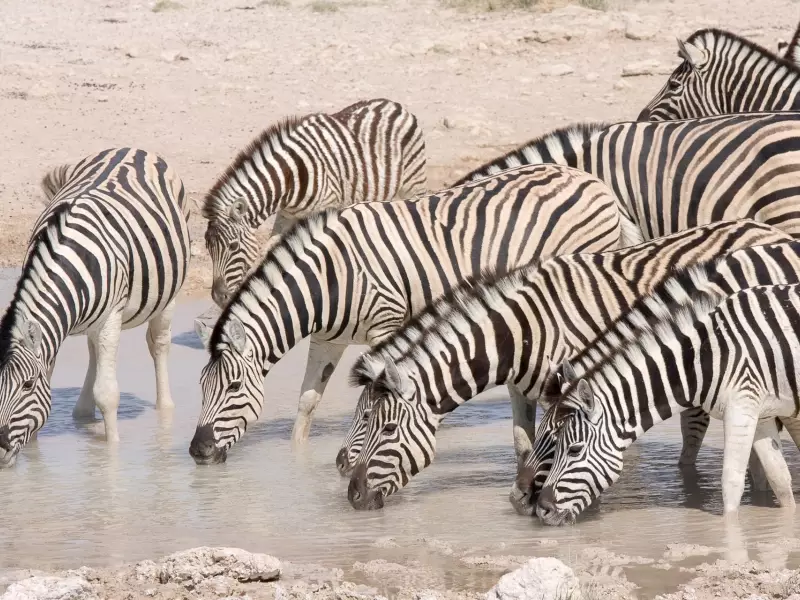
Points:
(585, 461)
(400, 440)
(692, 89)
(233, 248)
(534, 466)
(24, 391)
(233, 396)
(354, 440)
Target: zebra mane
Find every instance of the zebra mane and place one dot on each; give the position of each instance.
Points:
(792, 52)
(292, 243)
(671, 307)
(215, 203)
(711, 37)
(547, 148)
(55, 179)
(8, 322)
(402, 343)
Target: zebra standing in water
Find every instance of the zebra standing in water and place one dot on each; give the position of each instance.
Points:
(110, 252)
(675, 175)
(736, 359)
(369, 151)
(356, 274)
(509, 330)
(721, 73)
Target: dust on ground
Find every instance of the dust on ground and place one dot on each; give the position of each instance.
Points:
(196, 81)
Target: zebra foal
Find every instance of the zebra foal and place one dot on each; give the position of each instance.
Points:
(735, 359)
(355, 275)
(110, 252)
(369, 151)
(508, 330)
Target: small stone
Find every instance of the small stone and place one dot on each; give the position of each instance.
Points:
(173, 56)
(622, 85)
(232, 56)
(643, 67)
(592, 77)
(558, 70)
(539, 579)
(482, 47)
(547, 35)
(132, 52)
(636, 30)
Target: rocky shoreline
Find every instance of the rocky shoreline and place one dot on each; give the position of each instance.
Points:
(227, 573)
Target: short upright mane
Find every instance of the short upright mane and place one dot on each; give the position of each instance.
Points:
(9, 320)
(215, 203)
(543, 149)
(711, 37)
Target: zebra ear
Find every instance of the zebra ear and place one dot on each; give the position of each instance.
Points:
(236, 334)
(31, 335)
(587, 402)
(568, 374)
(691, 54)
(238, 210)
(203, 331)
(397, 381)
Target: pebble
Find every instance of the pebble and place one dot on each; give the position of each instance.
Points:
(635, 30)
(622, 85)
(592, 77)
(173, 56)
(643, 67)
(132, 52)
(556, 70)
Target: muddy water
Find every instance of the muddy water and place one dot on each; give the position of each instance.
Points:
(72, 500)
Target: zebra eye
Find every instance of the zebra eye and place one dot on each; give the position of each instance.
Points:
(234, 386)
(233, 246)
(675, 85)
(389, 428)
(366, 415)
(575, 450)
(28, 385)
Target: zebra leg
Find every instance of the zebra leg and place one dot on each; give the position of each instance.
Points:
(740, 421)
(524, 413)
(159, 339)
(106, 388)
(793, 427)
(84, 407)
(694, 424)
(757, 474)
(322, 360)
(767, 444)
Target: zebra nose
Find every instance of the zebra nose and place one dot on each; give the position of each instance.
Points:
(644, 115)
(5, 438)
(546, 503)
(219, 292)
(358, 495)
(342, 463)
(203, 448)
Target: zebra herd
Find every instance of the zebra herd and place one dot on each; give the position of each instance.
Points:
(615, 274)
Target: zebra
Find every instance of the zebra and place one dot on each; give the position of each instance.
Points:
(110, 252)
(354, 275)
(731, 355)
(678, 174)
(756, 266)
(372, 150)
(508, 330)
(721, 72)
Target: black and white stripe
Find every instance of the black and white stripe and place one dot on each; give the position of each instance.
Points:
(110, 252)
(369, 151)
(507, 331)
(356, 275)
(735, 359)
(724, 73)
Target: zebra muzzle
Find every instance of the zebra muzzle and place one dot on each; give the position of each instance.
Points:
(343, 463)
(358, 495)
(203, 448)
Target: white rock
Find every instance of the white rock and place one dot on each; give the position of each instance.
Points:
(544, 578)
(592, 77)
(556, 70)
(482, 46)
(643, 67)
(173, 56)
(636, 30)
(622, 85)
(50, 588)
(190, 567)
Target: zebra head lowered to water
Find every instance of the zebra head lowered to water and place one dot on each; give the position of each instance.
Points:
(369, 151)
(354, 275)
(731, 355)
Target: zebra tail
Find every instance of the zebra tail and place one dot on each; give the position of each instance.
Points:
(55, 180)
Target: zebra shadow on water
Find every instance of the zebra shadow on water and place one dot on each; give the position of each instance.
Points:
(60, 420)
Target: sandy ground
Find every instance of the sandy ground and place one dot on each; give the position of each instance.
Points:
(196, 80)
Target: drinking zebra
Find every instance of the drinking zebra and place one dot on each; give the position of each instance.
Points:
(109, 253)
(721, 73)
(674, 175)
(735, 359)
(370, 151)
(508, 330)
(356, 274)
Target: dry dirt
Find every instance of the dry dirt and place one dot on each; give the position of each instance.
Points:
(196, 80)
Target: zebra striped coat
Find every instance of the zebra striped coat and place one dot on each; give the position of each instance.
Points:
(110, 252)
(369, 151)
(760, 265)
(506, 331)
(724, 73)
(735, 359)
(355, 275)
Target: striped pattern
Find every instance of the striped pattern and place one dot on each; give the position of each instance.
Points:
(109, 253)
(370, 151)
(356, 275)
(722, 73)
(507, 331)
(688, 364)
